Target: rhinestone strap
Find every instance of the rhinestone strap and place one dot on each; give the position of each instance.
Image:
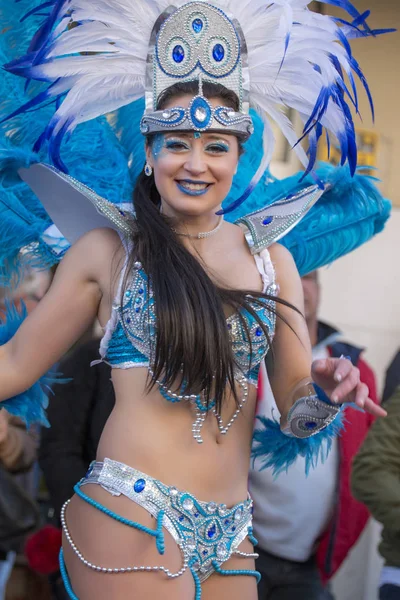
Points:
(246, 554)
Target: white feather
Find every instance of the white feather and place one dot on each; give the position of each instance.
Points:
(118, 32)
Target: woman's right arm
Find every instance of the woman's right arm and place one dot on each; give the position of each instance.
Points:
(63, 315)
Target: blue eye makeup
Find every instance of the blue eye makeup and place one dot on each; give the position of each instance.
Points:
(219, 147)
(176, 144)
(180, 145)
(157, 145)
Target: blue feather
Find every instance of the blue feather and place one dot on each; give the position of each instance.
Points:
(355, 66)
(34, 11)
(29, 405)
(94, 156)
(348, 214)
(278, 451)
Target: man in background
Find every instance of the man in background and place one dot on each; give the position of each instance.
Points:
(307, 525)
(17, 455)
(376, 481)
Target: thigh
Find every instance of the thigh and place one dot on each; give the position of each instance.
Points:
(389, 592)
(107, 543)
(233, 587)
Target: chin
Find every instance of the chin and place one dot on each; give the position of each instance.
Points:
(193, 206)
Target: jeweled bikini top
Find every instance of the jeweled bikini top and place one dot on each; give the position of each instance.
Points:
(131, 331)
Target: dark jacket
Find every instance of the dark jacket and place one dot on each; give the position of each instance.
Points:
(376, 478)
(392, 380)
(77, 413)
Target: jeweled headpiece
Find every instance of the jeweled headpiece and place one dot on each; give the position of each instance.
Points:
(99, 56)
(197, 42)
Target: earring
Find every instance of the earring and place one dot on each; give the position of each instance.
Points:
(148, 170)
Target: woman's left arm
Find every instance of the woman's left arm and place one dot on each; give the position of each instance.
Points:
(290, 368)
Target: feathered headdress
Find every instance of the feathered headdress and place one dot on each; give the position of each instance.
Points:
(95, 56)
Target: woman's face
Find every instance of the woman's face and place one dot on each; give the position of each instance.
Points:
(193, 173)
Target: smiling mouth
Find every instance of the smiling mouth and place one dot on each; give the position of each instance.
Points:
(193, 186)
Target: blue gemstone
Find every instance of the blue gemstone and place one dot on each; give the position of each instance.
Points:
(226, 522)
(196, 515)
(212, 531)
(137, 310)
(310, 425)
(205, 552)
(258, 331)
(233, 529)
(218, 52)
(141, 291)
(181, 518)
(197, 25)
(229, 326)
(128, 320)
(128, 294)
(139, 485)
(178, 54)
(267, 220)
(200, 113)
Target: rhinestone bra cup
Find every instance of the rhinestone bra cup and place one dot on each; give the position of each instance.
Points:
(130, 343)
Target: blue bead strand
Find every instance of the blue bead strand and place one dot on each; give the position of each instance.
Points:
(196, 579)
(224, 572)
(251, 537)
(158, 534)
(65, 578)
(160, 541)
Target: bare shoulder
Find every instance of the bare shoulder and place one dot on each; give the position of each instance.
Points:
(95, 254)
(281, 257)
(101, 241)
(287, 274)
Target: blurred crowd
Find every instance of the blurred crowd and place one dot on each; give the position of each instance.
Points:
(306, 526)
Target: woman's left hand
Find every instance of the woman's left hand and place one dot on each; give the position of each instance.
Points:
(340, 380)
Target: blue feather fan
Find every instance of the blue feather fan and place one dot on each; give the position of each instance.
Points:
(29, 405)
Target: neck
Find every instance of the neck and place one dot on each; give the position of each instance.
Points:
(192, 225)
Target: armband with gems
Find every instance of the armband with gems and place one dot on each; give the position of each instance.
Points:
(311, 413)
(311, 425)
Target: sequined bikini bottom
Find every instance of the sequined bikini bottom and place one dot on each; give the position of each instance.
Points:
(207, 533)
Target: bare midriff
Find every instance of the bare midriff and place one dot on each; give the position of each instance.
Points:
(147, 432)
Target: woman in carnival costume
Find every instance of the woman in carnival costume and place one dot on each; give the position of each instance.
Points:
(190, 303)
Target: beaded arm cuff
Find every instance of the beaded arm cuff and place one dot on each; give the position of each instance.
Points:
(310, 414)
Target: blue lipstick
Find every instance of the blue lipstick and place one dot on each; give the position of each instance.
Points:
(189, 192)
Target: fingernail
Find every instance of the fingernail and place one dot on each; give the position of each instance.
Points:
(338, 377)
(335, 399)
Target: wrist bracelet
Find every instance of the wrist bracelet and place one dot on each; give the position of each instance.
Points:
(311, 413)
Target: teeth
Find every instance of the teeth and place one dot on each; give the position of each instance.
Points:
(193, 186)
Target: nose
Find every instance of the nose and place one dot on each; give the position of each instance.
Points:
(195, 163)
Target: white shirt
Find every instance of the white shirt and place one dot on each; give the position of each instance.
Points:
(292, 510)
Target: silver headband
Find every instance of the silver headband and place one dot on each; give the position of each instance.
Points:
(197, 42)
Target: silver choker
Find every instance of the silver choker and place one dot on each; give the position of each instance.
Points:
(202, 234)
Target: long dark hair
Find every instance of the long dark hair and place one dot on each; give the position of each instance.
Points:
(192, 345)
